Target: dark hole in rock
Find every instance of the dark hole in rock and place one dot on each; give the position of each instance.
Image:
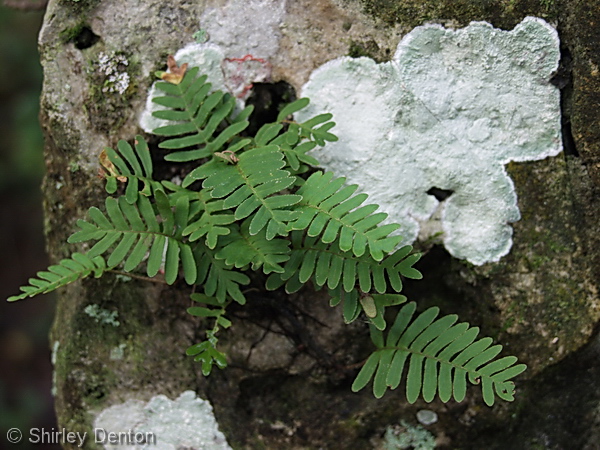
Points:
(567, 139)
(85, 38)
(563, 79)
(268, 99)
(440, 194)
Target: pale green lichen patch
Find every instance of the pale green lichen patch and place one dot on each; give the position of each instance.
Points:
(117, 353)
(187, 422)
(53, 356)
(407, 436)
(101, 315)
(447, 113)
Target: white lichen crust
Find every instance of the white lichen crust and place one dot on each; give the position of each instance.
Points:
(449, 111)
(187, 422)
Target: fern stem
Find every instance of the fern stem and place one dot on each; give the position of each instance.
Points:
(137, 277)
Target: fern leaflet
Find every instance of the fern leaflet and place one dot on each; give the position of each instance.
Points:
(373, 305)
(331, 210)
(248, 186)
(67, 271)
(131, 165)
(218, 278)
(240, 248)
(200, 125)
(127, 225)
(441, 356)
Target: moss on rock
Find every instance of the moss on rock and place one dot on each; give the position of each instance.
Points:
(500, 13)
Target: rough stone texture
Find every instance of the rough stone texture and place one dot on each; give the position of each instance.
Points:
(581, 28)
(546, 288)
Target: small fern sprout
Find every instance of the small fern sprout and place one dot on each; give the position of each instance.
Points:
(259, 203)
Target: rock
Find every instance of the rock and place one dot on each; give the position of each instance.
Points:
(540, 300)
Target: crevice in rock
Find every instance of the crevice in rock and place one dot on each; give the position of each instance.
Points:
(569, 146)
(563, 79)
(85, 38)
(268, 99)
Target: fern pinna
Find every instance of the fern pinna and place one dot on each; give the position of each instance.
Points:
(257, 203)
(439, 356)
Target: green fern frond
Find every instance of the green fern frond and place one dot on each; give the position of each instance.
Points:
(308, 130)
(202, 123)
(127, 225)
(249, 186)
(373, 305)
(206, 352)
(134, 164)
(441, 357)
(297, 157)
(240, 248)
(77, 267)
(207, 215)
(255, 212)
(291, 108)
(327, 264)
(218, 278)
(296, 153)
(330, 209)
(320, 134)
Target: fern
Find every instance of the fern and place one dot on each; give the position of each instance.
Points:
(206, 351)
(290, 142)
(241, 248)
(327, 264)
(441, 356)
(199, 117)
(315, 129)
(207, 215)
(218, 277)
(248, 186)
(127, 225)
(330, 208)
(67, 271)
(132, 165)
(348, 278)
(373, 305)
(249, 205)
